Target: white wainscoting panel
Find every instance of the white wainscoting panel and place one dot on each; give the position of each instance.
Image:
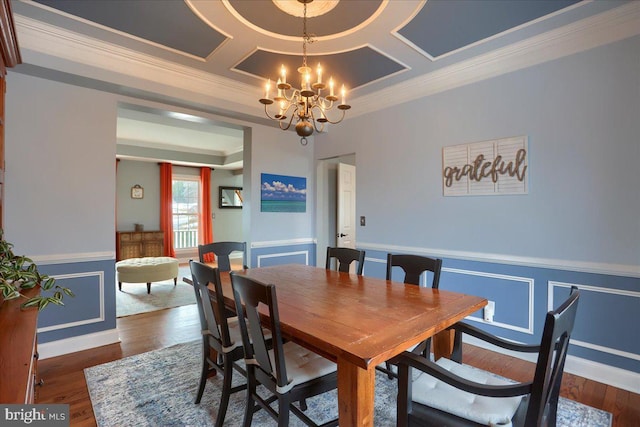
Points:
(523, 280)
(284, 254)
(589, 288)
(99, 318)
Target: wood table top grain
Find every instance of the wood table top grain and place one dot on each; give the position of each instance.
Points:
(356, 321)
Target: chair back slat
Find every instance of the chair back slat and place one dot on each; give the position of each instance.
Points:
(210, 304)
(249, 295)
(344, 257)
(414, 266)
(222, 250)
(551, 359)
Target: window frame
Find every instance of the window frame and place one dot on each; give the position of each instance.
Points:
(197, 214)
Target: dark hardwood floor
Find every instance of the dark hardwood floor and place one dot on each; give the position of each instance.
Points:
(64, 378)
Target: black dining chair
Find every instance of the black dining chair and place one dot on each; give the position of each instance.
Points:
(290, 372)
(222, 250)
(449, 393)
(219, 333)
(413, 266)
(344, 257)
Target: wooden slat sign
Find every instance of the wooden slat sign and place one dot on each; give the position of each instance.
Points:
(493, 167)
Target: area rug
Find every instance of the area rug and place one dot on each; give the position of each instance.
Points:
(158, 389)
(133, 299)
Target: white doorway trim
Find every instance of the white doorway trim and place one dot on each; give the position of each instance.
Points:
(326, 199)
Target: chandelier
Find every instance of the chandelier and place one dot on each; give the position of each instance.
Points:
(308, 105)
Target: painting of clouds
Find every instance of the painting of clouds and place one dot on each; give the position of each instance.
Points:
(281, 193)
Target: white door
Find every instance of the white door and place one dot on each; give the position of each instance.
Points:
(346, 206)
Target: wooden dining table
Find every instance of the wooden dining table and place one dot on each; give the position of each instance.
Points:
(357, 322)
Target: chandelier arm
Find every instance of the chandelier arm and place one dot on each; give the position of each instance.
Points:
(293, 107)
(322, 103)
(335, 122)
(295, 94)
(288, 124)
(266, 111)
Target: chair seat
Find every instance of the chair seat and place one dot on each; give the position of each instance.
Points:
(234, 334)
(303, 365)
(437, 394)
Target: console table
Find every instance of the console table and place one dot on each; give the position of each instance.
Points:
(139, 244)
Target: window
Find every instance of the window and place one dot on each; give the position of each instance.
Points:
(186, 211)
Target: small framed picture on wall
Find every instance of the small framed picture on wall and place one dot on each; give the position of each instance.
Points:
(137, 192)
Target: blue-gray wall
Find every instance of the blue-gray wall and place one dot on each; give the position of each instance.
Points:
(60, 198)
(227, 223)
(578, 224)
(145, 211)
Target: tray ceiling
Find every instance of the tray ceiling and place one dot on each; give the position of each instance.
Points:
(214, 56)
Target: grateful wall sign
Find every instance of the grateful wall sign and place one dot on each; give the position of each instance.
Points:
(498, 166)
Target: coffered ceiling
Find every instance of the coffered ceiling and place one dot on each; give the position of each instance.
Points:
(215, 56)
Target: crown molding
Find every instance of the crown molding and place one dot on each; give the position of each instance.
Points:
(607, 27)
(119, 64)
(117, 61)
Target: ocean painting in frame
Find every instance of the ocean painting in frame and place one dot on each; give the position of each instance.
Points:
(281, 193)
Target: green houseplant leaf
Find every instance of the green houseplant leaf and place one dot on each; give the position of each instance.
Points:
(20, 272)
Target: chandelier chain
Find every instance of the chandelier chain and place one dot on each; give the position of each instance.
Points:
(306, 37)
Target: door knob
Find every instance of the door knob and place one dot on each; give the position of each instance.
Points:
(341, 235)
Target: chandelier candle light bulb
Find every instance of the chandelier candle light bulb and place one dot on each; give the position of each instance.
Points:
(307, 104)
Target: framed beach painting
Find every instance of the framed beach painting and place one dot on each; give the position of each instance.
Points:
(282, 193)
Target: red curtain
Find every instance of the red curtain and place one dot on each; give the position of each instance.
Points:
(206, 225)
(166, 212)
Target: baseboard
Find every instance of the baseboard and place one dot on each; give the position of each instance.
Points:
(616, 377)
(79, 343)
(610, 375)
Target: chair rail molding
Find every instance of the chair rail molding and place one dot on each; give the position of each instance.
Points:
(287, 242)
(558, 264)
(75, 257)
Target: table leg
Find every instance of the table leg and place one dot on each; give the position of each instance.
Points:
(356, 391)
(443, 344)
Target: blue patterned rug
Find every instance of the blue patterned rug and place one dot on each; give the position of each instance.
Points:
(158, 388)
